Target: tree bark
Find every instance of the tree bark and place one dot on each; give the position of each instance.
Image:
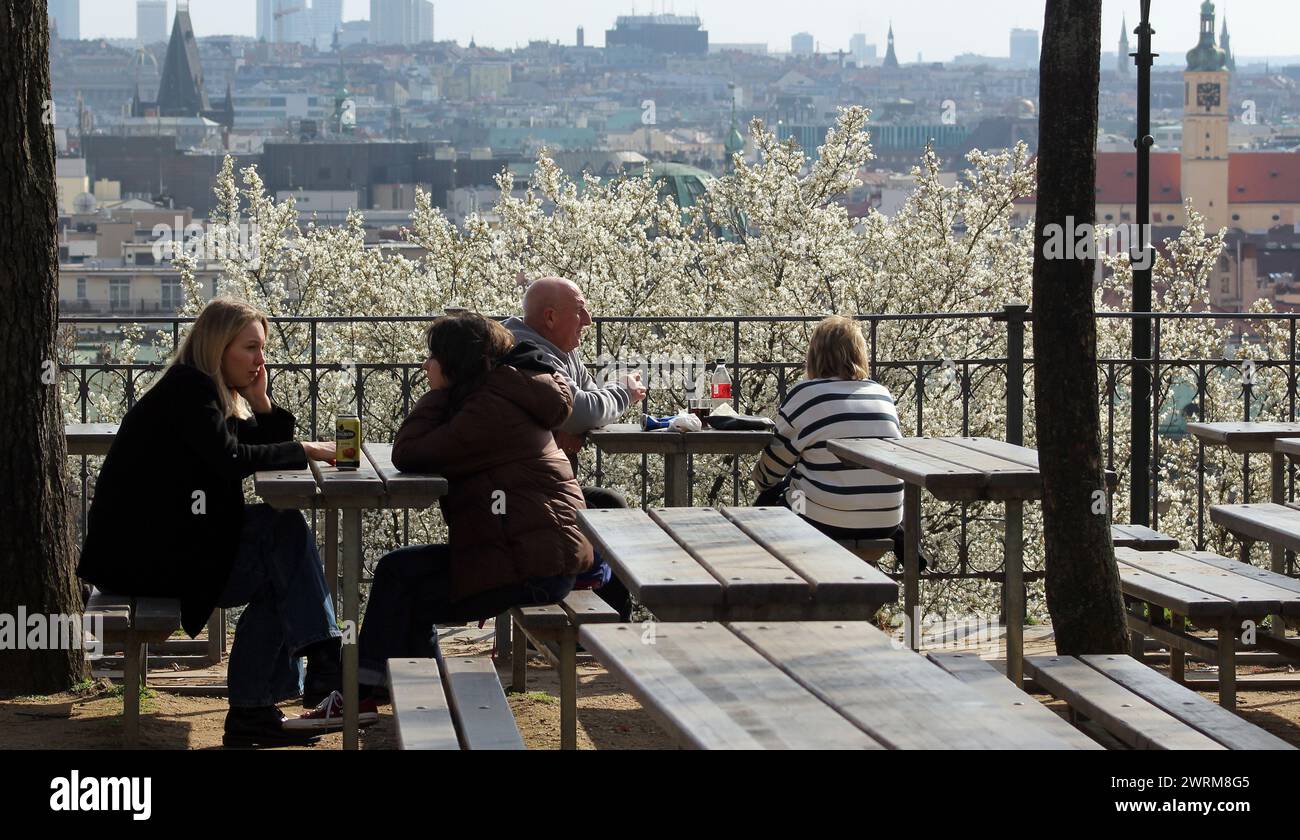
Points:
(37, 548)
(1083, 594)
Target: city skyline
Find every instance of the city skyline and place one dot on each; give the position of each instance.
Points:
(938, 29)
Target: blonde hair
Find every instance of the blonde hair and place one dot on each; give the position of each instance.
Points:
(837, 350)
(220, 322)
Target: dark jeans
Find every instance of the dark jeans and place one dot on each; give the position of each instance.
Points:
(775, 497)
(613, 592)
(277, 573)
(412, 592)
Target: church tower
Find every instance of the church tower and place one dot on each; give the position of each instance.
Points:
(1125, 61)
(891, 58)
(1226, 46)
(1205, 125)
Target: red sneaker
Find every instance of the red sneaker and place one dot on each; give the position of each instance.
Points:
(329, 714)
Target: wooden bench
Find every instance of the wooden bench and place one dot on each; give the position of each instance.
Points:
(1142, 538)
(869, 550)
(1142, 708)
(553, 630)
(133, 623)
(1211, 592)
(451, 703)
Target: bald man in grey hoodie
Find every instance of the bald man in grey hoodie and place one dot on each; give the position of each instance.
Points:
(555, 314)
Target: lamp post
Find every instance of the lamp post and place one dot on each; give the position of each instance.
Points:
(1140, 428)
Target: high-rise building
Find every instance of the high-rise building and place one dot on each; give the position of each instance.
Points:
(801, 43)
(661, 33)
(66, 15)
(326, 16)
(151, 21)
(582, 37)
(291, 21)
(862, 52)
(1024, 47)
(401, 21)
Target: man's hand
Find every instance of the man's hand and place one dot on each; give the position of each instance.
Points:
(319, 450)
(255, 392)
(632, 382)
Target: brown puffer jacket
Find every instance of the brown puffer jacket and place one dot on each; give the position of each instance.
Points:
(512, 507)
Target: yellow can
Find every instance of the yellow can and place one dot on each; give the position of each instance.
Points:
(347, 442)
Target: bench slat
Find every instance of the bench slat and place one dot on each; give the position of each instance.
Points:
(893, 693)
(654, 567)
(478, 704)
(1247, 570)
(1141, 538)
(942, 478)
(994, 685)
(1015, 453)
(838, 576)
(1186, 705)
(710, 690)
(1003, 476)
(1119, 711)
(749, 574)
(420, 706)
(585, 606)
(546, 617)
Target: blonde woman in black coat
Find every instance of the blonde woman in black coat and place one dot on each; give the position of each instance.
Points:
(169, 519)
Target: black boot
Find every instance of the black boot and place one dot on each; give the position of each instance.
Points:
(262, 726)
(324, 672)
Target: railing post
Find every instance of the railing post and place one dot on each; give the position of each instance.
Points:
(1014, 314)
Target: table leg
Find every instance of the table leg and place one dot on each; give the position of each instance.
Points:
(1178, 659)
(677, 488)
(1015, 594)
(1277, 554)
(332, 554)
(351, 616)
(912, 565)
(1228, 664)
(1137, 640)
(214, 636)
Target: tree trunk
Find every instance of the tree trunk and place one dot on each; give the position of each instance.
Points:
(1083, 594)
(36, 543)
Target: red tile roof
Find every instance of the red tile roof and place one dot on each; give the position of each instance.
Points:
(1264, 178)
(1117, 178)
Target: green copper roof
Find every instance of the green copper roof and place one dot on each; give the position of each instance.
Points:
(1206, 56)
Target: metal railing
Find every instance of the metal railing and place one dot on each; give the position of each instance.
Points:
(905, 377)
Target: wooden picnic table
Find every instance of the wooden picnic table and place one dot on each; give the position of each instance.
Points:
(816, 685)
(377, 484)
(735, 563)
(675, 447)
(1210, 591)
(958, 469)
(89, 438)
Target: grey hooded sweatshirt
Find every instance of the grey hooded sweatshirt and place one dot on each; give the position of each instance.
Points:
(594, 405)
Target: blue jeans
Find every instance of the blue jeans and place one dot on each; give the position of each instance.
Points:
(411, 593)
(277, 573)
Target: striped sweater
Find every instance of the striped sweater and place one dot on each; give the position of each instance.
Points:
(834, 493)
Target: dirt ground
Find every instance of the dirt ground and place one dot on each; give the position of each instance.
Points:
(609, 718)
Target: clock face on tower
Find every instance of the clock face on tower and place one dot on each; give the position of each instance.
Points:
(1208, 95)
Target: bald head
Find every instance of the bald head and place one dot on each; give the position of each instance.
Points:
(556, 310)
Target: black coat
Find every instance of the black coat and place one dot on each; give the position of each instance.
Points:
(149, 531)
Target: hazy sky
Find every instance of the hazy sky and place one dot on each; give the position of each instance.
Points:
(938, 28)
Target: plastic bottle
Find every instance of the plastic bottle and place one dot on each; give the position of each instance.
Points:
(721, 387)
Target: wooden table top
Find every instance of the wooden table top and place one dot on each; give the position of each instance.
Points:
(733, 563)
(376, 484)
(813, 685)
(1202, 584)
(622, 438)
(1256, 436)
(90, 438)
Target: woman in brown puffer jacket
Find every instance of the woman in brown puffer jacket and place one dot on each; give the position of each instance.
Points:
(512, 507)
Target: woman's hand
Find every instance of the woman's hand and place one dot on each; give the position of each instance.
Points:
(319, 450)
(255, 392)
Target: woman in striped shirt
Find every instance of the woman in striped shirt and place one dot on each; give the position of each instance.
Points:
(837, 400)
